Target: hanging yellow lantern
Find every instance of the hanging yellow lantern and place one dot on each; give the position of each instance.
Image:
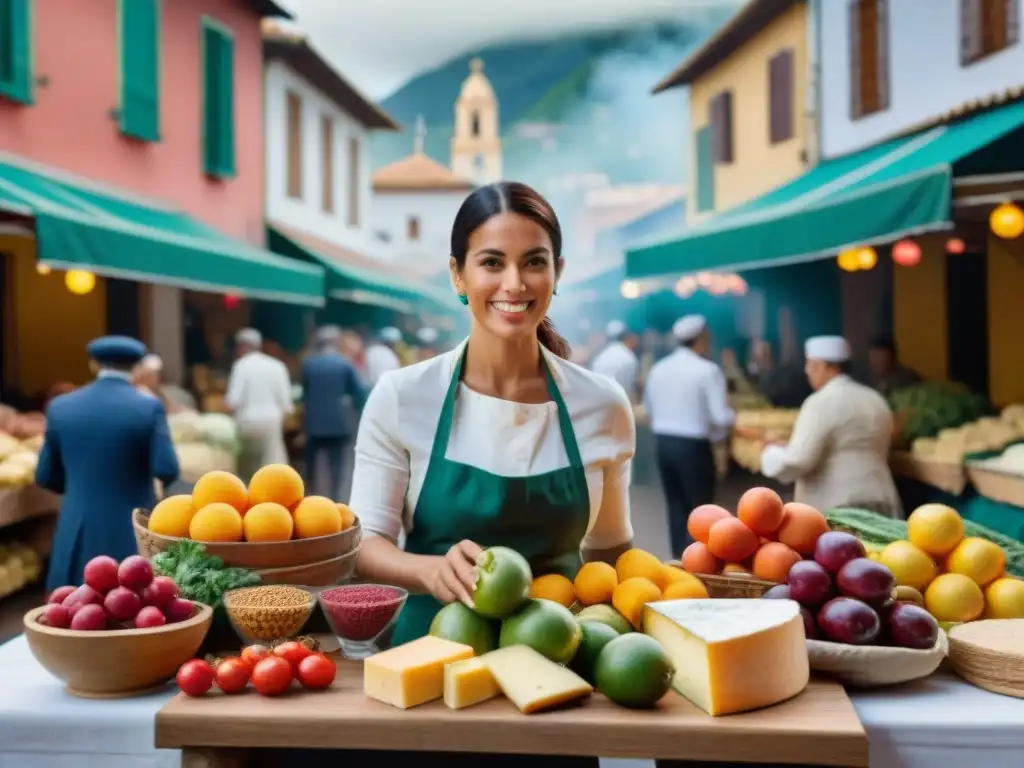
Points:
(79, 282)
(849, 260)
(1007, 221)
(866, 257)
(43, 269)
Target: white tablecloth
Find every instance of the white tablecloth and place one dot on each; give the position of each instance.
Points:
(936, 723)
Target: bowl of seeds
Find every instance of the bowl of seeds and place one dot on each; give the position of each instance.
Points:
(266, 613)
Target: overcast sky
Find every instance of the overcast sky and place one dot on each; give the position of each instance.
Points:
(379, 44)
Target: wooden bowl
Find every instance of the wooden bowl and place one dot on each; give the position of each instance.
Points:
(256, 555)
(116, 663)
(325, 573)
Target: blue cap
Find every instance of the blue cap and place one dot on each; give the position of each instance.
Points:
(116, 350)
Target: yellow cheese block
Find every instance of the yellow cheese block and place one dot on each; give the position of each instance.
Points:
(732, 655)
(468, 682)
(411, 674)
(534, 682)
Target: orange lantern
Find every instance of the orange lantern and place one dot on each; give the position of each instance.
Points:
(866, 257)
(955, 246)
(906, 253)
(79, 282)
(1007, 221)
(849, 260)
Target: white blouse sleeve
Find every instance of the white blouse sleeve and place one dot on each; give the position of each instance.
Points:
(613, 526)
(380, 477)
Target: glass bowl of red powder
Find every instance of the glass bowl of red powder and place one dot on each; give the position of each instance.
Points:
(360, 614)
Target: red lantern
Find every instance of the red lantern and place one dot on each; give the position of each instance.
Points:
(231, 302)
(906, 253)
(955, 246)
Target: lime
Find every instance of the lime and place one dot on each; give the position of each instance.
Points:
(594, 637)
(605, 614)
(547, 627)
(503, 580)
(634, 671)
(460, 624)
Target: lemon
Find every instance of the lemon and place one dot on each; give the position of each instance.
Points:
(935, 529)
(954, 597)
(1004, 599)
(977, 558)
(911, 566)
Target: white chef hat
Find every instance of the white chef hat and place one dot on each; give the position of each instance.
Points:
(828, 349)
(249, 336)
(689, 327)
(391, 335)
(152, 362)
(427, 335)
(615, 329)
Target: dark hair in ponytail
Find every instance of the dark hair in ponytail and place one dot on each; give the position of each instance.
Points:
(511, 197)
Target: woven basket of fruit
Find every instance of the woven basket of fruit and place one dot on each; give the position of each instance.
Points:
(730, 586)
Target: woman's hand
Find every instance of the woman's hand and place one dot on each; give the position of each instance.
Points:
(453, 577)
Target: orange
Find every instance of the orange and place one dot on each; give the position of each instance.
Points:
(218, 522)
(279, 483)
(317, 516)
(632, 595)
(977, 558)
(267, 522)
(911, 566)
(171, 517)
(773, 561)
(222, 487)
(801, 526)
(595, 583)
(760, 509)
(729, 539)
(348, 517)
(1004, 599)
(554, 587)
(954, 597)
(697, 558)
(699, 523)
(634, 563)
(685, 586)
(935, 528)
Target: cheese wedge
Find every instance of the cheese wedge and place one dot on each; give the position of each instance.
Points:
(468, 682)
(732, 655)
(411, 674)
(533, 682)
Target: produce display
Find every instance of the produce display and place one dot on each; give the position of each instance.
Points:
(199, 576)
(204, 442)
(928, 408)
(125, 595)
(273, 507)
(270, 671)
(20, 565)
(19, 453)
(775, 426)
(1009, 462)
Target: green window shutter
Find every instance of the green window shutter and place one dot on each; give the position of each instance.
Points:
(140, 69)
(16, 50)
(705, 169)
(218, 101)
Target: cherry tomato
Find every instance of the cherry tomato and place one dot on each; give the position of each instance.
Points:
(317, 671)
(195, 677)
(233, 675)
(272, 676)
(293, 652)
(253, 653)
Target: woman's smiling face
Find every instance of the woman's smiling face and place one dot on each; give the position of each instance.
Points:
(509, 275)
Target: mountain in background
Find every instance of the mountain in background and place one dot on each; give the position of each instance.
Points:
(576, 105)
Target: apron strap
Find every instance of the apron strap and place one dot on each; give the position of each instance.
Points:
(447, 417)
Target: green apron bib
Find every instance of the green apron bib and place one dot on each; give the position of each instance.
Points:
(543, 517)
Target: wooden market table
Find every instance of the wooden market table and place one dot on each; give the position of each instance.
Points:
(820, 727)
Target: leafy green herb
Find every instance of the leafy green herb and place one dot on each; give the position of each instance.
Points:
(199, 576)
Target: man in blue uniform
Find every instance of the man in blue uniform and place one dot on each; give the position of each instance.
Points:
(105, 445)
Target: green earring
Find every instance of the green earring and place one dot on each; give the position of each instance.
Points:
(464, 299)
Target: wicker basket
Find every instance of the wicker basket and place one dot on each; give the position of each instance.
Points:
(326, 573)
(295, 553)
(731, 586)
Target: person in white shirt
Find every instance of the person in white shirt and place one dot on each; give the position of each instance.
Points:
(381, 356)
(427, 339)
(686, 401)
(260, 397)
(618, 359)
(838, 454)
(501, 441)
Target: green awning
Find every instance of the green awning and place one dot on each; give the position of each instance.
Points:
(115, 235)
(900, 188)
(361, 284)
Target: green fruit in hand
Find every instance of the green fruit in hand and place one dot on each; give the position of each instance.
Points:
(547, 627)
(460, 624)
(634, 671)
(503, 579)
(605, 614)
(594, 637)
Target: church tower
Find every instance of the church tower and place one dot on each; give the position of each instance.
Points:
(476, 144)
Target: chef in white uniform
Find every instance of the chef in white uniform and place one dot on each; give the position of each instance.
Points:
(687, 403)
(381, 356)
(260, 397)
(617, 360)
(838, 455)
